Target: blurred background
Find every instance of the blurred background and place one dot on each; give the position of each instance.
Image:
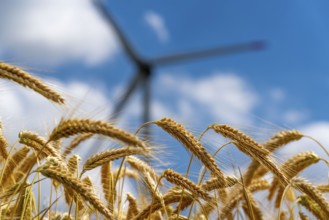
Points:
(271, 72)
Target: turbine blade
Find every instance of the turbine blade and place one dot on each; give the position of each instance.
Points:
(220, 51)
(113, 24)
(126, 95)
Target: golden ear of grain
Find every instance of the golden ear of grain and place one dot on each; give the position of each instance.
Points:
(179, 180)
(279, 196)
(76, 141)
(71, 196)
(302, 216)
(236, 196)
(141, 167)
(282, 138)
(11, 165)
(125, 173)
(275, 142)
(3, 144)
(13, 189)
(311, 206)
(70, 127)
(38, 143)
(250, 172)
(180, 133)
(203, 217)
(73, 164)
(51, 169)
(323, 188)
(157, 216)
(25, 204)
(310, 190)
(89, 183)
(27, 164)
(177, 217)
(57, 145)
(61, 216)
(110, 155)
(256, 212)
(133, 208)
(215, 183)
(68, 195)
(206, 209)
(222, 195)
(152, 186)
(229, 205)
(260, 172)
(169, 198)
(250, 147)
(241, 138)
(25, 79)
(185, 203)
(296, 164)
(107, 180)
(266, 162)
(291, 168)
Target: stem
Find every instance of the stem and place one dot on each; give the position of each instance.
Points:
(56, 205)
(13, 195)
(162, 202)
(316, 141)
(50, 201)
(45, 210)
(142, 126)
(281, 201)
(121, 191)
(39, 191)
(77, 197)
(71, 204)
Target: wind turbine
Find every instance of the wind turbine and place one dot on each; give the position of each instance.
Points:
(145, 67)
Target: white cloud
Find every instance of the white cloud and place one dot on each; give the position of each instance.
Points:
(157, 23)
(55, 31)
(294, 116)
(223, 96)
(277, 94)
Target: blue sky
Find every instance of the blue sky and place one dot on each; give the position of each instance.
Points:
(70, 46)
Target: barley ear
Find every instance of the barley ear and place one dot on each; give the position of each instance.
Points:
(310, 190)
(111, 155)
(3, 144)
(311, 206)
(132, 209)
(76, 141)
(25, 79)
(179, 180)
(12, 164)
(52, 169)
(180, 133)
